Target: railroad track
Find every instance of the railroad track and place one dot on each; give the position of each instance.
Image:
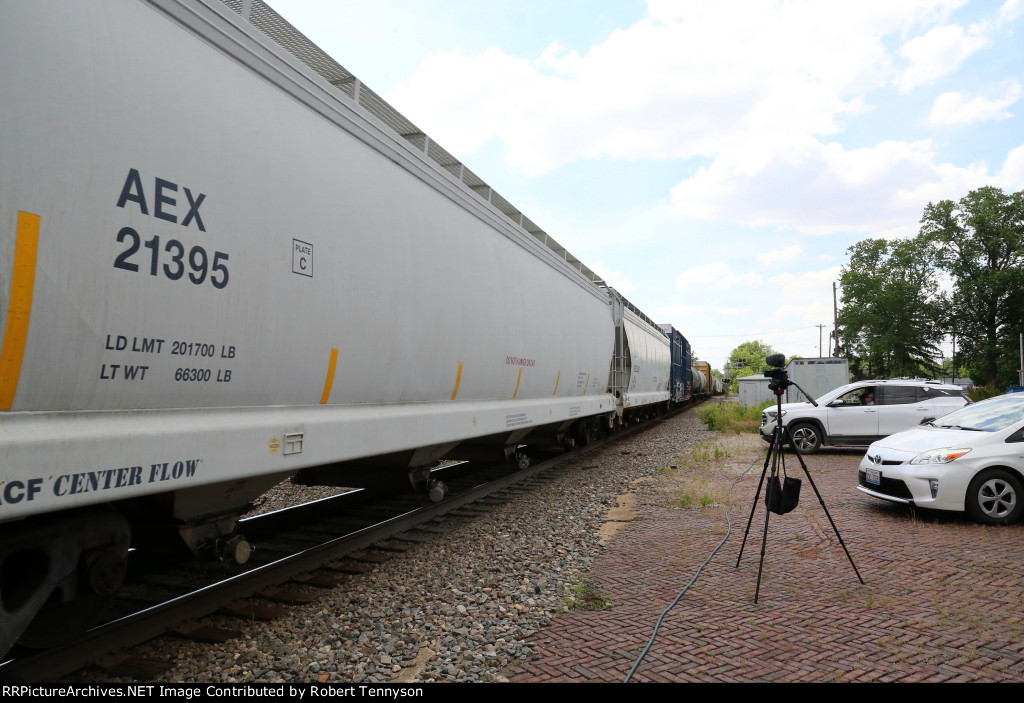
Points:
(304, 544)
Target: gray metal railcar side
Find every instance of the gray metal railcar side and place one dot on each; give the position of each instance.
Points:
(641, 364)
(227, 262)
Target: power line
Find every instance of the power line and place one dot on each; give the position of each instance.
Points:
(756, 334)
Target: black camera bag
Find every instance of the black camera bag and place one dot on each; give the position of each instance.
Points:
(782, 496)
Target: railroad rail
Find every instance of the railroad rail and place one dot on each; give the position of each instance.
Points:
(346, 524)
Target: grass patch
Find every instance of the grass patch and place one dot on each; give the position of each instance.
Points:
(691, 499)
(708, 450)
(583, 596)
(699, 453)
(731, 418)
(696, 494)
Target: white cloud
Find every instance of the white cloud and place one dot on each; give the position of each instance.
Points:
(684, 311)
(761, 89)
(945, 282)
(556, 58)
(813, 286)
(693, 79)
(807, 303)
(1012, 174)
(938, 53)
(957, 108)
(615, 279)
(822, 188)
(1010, 10)
(715, 276)
(784, 254)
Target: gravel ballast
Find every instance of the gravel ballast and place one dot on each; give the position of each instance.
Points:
(462, 607)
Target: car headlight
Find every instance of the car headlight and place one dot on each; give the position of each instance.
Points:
(940, 456)
(772, 417)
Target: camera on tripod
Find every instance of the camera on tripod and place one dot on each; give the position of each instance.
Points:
(780, 377)
(782, 492)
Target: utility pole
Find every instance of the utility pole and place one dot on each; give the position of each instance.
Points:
(820, 328)
(835, 319)
(954, 356)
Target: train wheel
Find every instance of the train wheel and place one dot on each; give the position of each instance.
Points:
(73, 607)
(58, 574)
(583, 432)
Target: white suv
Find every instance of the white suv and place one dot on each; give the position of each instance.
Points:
(860, 413)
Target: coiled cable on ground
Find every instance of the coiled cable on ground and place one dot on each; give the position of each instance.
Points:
(696, 575)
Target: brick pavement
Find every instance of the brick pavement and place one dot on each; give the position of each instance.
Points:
(942, 600)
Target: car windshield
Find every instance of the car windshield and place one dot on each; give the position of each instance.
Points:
(988, 416)
(834, 393)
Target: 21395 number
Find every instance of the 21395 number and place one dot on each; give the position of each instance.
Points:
(173, 256)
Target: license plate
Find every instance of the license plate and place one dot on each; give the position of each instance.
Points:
(873, 476)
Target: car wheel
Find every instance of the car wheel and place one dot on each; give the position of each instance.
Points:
(995, 498)
(805, 437)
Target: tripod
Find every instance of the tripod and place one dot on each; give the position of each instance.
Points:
(776, 458)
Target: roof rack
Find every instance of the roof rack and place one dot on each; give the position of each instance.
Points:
(632, 307)
(280, 31)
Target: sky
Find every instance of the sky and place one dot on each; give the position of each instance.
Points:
(712, 160)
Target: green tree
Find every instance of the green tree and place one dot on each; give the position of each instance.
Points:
(747, 360)
(979, 241)
(891, 319)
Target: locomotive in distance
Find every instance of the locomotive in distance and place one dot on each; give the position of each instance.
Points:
(224, 258)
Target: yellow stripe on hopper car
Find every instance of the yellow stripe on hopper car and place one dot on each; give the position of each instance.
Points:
(458, 380)
(518, 379)
(329, 382)
(557, 379)
(19, 306)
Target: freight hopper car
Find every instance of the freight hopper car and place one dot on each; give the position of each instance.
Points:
(227, 262)
(641, 365)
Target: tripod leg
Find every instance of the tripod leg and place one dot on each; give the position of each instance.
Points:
(760, 566)
(767, 458)
(827, 514)
(777, 458)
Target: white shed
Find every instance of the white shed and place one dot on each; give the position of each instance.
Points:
(754, 390)
(816, 377)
